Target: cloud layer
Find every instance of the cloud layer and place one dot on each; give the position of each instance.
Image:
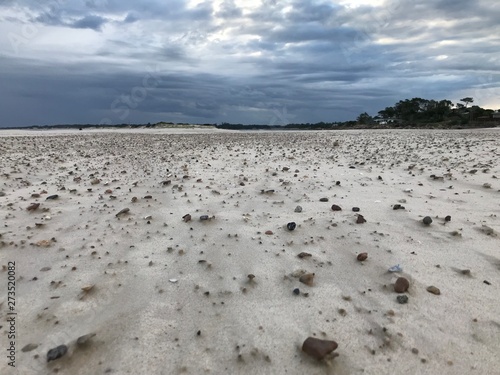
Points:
(251, 61)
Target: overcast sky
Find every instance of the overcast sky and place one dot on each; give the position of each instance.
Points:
(240, 61)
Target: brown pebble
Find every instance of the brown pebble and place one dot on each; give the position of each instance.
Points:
(307, 279)
(186, 218)
(401, 285)
(360, 220)
(432, 289)
(362, 257)
(414, 351)
(33, 206)
(304, 255)
(269, 232)
(336, 207)
(318, 348)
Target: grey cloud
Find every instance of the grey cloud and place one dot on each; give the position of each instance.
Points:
(89, 22)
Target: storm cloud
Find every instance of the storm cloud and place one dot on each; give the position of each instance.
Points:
(253, 61)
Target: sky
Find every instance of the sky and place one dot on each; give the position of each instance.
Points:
(240, 61)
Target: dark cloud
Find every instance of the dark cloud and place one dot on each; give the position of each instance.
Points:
(279, 62)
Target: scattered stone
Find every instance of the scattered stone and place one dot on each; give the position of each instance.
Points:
(336, 207)
(318, 348)
(298, 209)
(148, 197)
(355, 209)
(29, 348)
(396, 268)
(397, 206)
(307, 279)
(52, 197)
(124, 211)
(401, 285)
(56, 353)
(82, 340)
(269, 232)
(414, 351)
(33, 206)
(88, 288)
(323, 199)
(44, 243)
(432, 289)
(402, 299)
(204, 217)
(303, 255)
(487, 185)
(465, 272)
(291, 226)
(186, 218)
(296, 291)
(362, 257)
(173, 280)
(427, 220)
(486, 282)
(360, 220)
(447, 218)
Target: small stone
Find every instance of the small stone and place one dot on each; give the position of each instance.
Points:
(414, 351)
(336, 207)
(401, 285)
(52, 197)
(298, 209)
(296, 291)
(82, 340)
(33, 206)
(88, 288)
(427, 220)
(269, 232)
(251, 277)
(362, 257)
(318, 348)
(360, 220)
(402, 299)
(465, 272)
(486, 282)
(124, 211)
(291, 226)
(186, 218)
(56, 353)
(303, 255)
(148, 197)
(29, 348)
(432, 289)
(307, 279)
(204, 217)
(447, 218)
(323, 199)
(355, 209)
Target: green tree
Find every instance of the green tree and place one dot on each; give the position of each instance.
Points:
(364, 118)
(467, 100)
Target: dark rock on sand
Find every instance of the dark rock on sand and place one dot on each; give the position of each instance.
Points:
(296, 291)
(360, 220)
(29, 348)
(427, 220)
(402, 299)
(318, 348)
(336, 207)
(56, 353)
(186, 218)
(355, 209)
(362, 257)
(447, 218)
(291, 226)
(298, 209)
(401, 285)
(52, 197)
(323, 199)
(304, 255)
(124, 211)
(432, 289)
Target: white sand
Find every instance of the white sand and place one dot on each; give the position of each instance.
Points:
(146, 324)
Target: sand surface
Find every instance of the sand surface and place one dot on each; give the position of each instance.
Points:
(169, 296)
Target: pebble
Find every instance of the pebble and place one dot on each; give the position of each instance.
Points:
(304, 255)
(56, 353)
(124, 211)
(323, 199)
(318, 348)
(82, 340)
(204, 217)
(362, 257)
(291, 226)
(360, 220)
(29, 348)
(336, 207)
(298, 209)
(33, 206)
(307, 279)
(401, 285)
(355, 209)
(402, 299)
(186, 218)
(269, 232)
(432, 289)
(396, 268)
(427, 220)
(398, 207)
(55, 196)
(296, 291)
(447, 218)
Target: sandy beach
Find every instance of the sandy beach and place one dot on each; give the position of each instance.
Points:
(168, 251)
